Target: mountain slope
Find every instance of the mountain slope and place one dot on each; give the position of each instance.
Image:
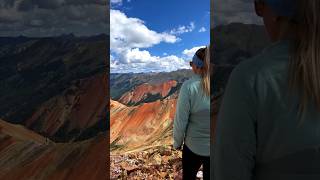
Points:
(78, 113)
(27, 155)
(53, 90)
(19, 133)
(33, 70)
(138, 126)
(147, 92)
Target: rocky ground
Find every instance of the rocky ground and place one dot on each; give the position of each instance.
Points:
(160, 162)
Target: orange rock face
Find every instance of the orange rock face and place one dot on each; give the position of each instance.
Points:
(141, 92)
(79, 108)
(27, 155)
(142, 125)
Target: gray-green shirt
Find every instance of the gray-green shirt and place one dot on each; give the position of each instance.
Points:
(259, 134)
(192, 118)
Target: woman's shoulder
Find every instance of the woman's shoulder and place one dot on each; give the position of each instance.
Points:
(261, 67)
(191, 82)
(273, 58)
(245, 75)
(249, 67)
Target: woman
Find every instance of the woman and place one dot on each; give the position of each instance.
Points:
(192, 118)
(268, 126)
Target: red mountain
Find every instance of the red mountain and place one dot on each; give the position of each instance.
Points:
(142, 125)
(70, 116)
(27, 155)
(148, 92)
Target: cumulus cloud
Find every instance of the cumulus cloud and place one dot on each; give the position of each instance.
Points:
(127, 32)
(202, 29)
(142, 61)
(129, 40)
(54, 17)
(190, 52)
(183, 29)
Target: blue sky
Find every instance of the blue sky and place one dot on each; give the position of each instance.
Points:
(157, 35)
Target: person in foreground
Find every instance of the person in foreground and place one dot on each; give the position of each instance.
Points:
(268, 126)
(192, 119)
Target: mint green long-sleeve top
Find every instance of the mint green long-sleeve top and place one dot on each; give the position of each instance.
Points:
(259, 133)
(192, 118)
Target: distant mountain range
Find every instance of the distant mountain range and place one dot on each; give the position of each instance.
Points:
(121, 83)
(148, 93)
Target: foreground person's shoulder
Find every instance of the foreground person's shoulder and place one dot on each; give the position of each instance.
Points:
(255, 68)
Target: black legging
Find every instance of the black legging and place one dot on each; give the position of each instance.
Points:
(191, 163)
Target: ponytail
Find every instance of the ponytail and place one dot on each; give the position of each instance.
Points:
(304, 65)
(204, 54)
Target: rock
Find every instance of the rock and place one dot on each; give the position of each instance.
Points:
(165, 159)
(131, 156)
(155, 166)
(157, 159)
(163, 175)
(165, 152)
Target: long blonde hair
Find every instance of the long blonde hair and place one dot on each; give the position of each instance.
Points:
(304, 65)
(203, 54)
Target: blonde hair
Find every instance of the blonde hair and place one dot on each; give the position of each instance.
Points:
(304, 65)
(204, 54)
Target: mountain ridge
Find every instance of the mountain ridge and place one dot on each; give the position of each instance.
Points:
(36, 157)
(35, 70)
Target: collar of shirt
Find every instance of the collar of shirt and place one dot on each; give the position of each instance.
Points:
(278, 47)
(196, 76)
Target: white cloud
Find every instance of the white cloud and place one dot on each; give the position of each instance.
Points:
(142, 61)
(116, 2)
(183, 29)
(126, 32)
(202, 29)
(190, 52)
(129, 38)
(136, 56)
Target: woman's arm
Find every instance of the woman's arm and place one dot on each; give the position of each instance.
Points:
(235, 143)
(181, 117)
